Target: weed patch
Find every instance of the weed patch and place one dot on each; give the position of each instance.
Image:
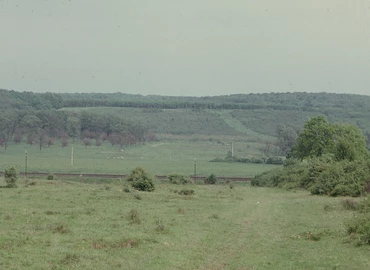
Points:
(350, 204)
(160, 227)
(307, 236)
(186, 192)
(133, 216)
(52, 213)
(70, 259)
(125, 243)
(60, 228)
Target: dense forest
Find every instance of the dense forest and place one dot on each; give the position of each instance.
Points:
(316, 102)
(126, 119)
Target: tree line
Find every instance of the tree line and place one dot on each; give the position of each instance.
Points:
(276, 101)
(43, 127)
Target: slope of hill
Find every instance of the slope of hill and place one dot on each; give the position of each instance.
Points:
(228, 115)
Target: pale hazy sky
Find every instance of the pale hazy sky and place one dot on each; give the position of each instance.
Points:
(187, 47)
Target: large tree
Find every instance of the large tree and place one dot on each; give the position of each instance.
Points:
(318, 137)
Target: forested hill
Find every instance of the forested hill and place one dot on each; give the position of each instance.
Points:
(280, 101)
(316, 102)
(29, 100)
(76, 115)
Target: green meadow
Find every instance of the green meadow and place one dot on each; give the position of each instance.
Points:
(159, 158)
(58, 224)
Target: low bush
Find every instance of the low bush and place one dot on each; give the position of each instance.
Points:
(141, 180)
(359, 229)
(211, 180)
(365, 205)
(51, 177)
(11, 177)
(178, 178)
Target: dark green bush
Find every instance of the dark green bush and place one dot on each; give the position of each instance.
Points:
(344, 178)
(11, 177)
(321, 176)
(211, 180)
(50, 177)
(141, 180)
(178, 178)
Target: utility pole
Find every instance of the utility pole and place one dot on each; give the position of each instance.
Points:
(72, 157)
(195, 169)
(232, 149)
(25, 167)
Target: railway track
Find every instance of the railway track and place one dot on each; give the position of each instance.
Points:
(97, 175)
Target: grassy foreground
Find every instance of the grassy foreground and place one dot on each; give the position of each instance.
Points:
(74, 225)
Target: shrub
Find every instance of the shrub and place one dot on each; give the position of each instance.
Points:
(359, 229)
(211, 180)
(11, 177)
(321, 176)
(178, 178)
(141, 180)
(365, 205)
(50, 177)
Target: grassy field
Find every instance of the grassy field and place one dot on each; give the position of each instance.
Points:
(160, 158)
(74, 225)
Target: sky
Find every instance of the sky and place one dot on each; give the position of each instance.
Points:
(185, 48)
